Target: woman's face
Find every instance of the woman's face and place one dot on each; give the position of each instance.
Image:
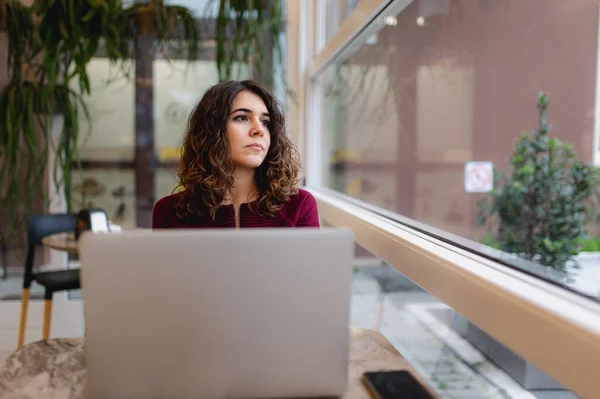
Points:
(247, 130)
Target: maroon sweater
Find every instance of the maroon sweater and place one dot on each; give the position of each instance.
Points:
(300, 211)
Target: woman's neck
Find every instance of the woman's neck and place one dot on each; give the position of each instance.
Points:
(244, 188)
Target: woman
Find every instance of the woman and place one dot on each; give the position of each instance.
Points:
(238, 167)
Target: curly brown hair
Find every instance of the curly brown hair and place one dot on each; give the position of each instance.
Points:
(206, 169)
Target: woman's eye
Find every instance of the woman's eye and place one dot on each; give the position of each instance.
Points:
(241, 118)
(265, 122)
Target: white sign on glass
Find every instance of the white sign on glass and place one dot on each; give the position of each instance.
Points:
(479, 177)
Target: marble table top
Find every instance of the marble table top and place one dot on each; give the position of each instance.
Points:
(56, 369)
(53, 369)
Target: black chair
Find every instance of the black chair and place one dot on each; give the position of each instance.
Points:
(41, 226)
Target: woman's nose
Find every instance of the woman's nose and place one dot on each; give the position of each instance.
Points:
(257, 129)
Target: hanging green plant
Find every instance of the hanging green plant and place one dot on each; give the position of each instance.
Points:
(45, 53)
(248, 33)
(27, 114)
(16, 21)
(71, 31)
(174, 27)
(49, 47)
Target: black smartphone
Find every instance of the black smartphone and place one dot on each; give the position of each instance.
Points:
(395, 385)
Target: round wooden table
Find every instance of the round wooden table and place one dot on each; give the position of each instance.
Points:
(62, 242)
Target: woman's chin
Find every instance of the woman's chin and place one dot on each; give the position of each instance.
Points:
(249, 163)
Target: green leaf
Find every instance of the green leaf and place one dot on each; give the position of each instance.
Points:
(89, 15)
(63, 29)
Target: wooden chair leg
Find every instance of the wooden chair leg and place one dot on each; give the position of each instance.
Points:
(24, 305)
(47, 316)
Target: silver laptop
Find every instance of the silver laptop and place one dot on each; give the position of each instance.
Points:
(217, 313)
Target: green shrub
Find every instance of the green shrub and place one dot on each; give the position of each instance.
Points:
(538, 210)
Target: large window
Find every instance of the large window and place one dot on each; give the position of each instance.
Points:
(411, 107)
(432, 86)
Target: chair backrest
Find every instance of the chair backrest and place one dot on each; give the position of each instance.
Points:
(41, 226)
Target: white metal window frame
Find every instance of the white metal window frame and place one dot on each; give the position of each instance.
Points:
(555, 329)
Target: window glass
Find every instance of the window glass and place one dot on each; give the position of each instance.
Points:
(434, 101)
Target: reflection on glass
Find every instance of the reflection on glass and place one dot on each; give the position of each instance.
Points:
(444, 83)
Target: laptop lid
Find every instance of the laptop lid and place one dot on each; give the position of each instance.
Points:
(217, 312)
